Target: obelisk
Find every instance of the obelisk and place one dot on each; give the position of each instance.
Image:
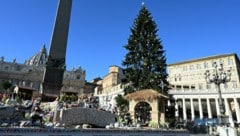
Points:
(55, 65)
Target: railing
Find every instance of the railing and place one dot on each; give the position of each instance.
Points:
(197, 91)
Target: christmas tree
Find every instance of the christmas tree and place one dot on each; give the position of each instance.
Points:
(145, 61)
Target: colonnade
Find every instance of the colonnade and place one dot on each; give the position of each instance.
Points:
(210, 104)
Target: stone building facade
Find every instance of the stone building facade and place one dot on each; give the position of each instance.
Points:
(197, 99)
(110, 86)
(30, 74)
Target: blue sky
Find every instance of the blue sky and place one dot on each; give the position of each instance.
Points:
(99, 29)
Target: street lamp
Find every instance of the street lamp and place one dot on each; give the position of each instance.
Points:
(219, 76)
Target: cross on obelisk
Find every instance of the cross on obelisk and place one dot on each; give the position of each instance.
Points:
(55, 65)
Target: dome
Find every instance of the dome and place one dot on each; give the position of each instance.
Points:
(38, 59)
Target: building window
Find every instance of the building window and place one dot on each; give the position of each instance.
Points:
(191, 67)
(198, 66)
(17, 68)
(221, 61)
(213, 63)
(78, 77)
(169, 70)
(184, 68)
(37, 86)
(226, 86)
(234, 84)
(6, 68)
(193, 87)
(200, 86)
(205, 65)
(200, 76)
(230, 61)
(178, 87)
(208, 86)
(185, 87)
(179, 77)
(192, 76)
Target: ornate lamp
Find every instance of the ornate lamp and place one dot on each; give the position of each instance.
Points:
(219, 76)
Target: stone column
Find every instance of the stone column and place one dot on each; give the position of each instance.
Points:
(184, 110)
(192, 109)
(217, 106)
(200, 108)
(155, 111)
(132, 104)
(176, 109)
(228, 111)
(162, 112)
(237, 110)
(209, 109)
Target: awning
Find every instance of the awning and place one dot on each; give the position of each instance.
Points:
(24, 88)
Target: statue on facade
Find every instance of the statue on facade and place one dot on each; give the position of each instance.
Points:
(1, 59)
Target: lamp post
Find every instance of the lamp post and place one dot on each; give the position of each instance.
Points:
(219, 76)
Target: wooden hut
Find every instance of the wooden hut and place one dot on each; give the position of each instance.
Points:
(156, 101)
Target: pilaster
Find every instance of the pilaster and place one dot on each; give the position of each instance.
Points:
(192, 109)
(209, 108)
(200, 108)
(184, 110)
(237, 110)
